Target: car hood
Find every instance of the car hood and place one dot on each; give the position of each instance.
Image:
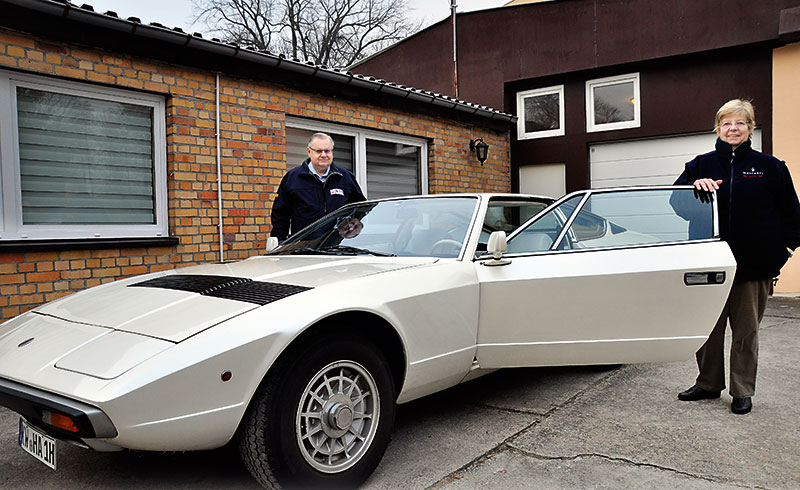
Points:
(177, 304)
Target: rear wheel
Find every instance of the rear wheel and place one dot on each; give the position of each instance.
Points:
(322, 418)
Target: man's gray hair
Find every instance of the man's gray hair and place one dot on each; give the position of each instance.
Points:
(320, 136)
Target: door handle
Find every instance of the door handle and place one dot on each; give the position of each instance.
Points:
(697, 278)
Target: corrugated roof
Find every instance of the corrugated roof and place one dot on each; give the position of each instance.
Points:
(85, 14)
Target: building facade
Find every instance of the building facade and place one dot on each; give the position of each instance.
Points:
(615, 92)
(130, 148)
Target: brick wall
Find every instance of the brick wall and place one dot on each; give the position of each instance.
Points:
(252, 143)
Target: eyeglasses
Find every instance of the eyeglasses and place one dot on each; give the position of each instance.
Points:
(738, 124)
(320, 152)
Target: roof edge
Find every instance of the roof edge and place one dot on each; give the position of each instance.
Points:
(85, 14)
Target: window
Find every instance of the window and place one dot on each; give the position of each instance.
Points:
(297, 141)
(80, 161)
(542, 233)
(540, 113)
(507, 215)
(619, 219)
(613, 103)
(385, 165)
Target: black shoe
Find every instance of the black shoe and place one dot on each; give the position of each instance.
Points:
(696, 393)
(741, 405)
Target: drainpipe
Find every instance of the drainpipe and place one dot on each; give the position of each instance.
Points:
(455, 58)
(219, 184)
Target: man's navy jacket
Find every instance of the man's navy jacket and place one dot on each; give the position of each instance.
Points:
(303, 199)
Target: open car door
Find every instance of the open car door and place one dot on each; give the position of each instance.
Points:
(606, 276)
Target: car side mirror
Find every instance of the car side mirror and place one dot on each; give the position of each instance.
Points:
(496, 246)
(272, 243)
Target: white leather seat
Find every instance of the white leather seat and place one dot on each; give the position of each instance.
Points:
(530, 242)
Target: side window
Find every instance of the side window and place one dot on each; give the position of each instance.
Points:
(629, 218)
(540, 235)
(506, 216)
(620, 219)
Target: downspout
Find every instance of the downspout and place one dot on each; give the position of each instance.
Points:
(219, 184)
(455, 58)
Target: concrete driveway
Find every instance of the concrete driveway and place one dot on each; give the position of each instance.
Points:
(526, 428)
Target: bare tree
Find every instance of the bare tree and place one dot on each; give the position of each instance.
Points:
(334, 33)
(542, 112)
(605, 113)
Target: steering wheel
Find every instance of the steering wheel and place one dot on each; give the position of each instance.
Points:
(443, 244)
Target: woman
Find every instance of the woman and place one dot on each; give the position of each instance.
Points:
(759, 217)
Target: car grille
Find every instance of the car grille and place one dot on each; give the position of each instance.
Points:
(233, 288)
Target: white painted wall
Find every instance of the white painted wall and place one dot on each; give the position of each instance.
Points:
(543, 180)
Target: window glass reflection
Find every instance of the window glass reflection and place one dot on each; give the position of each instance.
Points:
(541, 113)
(613, 103)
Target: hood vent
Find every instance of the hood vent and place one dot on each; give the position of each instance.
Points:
(233, 288)
(256, 292)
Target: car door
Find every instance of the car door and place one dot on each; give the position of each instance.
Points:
(606, 276)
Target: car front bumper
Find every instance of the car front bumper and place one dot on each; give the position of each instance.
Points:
(32, 403)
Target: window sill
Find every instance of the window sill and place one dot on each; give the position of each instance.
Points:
(84, 244)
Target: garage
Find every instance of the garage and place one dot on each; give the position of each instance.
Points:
(649, 161)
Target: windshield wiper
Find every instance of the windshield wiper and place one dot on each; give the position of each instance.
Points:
(302, 251)
(346, 249)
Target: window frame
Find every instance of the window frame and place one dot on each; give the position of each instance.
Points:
(521, 96)
(11, 225)
(360, 137)
(591, 127)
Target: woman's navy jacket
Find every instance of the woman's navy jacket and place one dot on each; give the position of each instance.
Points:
(759, 214)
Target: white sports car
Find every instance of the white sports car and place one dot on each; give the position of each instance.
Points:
(300, 355)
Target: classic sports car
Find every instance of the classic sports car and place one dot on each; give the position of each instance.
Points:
(300, 355)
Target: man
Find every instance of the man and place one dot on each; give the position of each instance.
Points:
(759, 217)
(312, 190)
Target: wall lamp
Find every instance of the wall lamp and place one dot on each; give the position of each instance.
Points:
(480, 148)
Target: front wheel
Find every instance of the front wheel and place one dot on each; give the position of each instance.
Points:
(322, 418)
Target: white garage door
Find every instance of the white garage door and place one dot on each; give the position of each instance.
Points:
(649, 162)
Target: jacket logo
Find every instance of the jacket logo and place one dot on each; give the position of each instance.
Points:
(335, 192)
(752, 173)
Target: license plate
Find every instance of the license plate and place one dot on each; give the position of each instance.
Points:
(37, 444)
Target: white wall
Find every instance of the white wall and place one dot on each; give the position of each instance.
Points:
(544, 180)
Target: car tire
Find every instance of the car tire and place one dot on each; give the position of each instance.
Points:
(322, 418)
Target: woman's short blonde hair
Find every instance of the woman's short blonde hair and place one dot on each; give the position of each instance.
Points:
(737, 107)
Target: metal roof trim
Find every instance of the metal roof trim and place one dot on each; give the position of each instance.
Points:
(391, 89)
(334, 75)
(255, 57)
(360, 81)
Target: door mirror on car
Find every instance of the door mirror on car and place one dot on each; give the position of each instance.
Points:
(496, 246)
(272, 243)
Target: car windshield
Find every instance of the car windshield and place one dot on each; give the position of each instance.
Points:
(422, 227)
